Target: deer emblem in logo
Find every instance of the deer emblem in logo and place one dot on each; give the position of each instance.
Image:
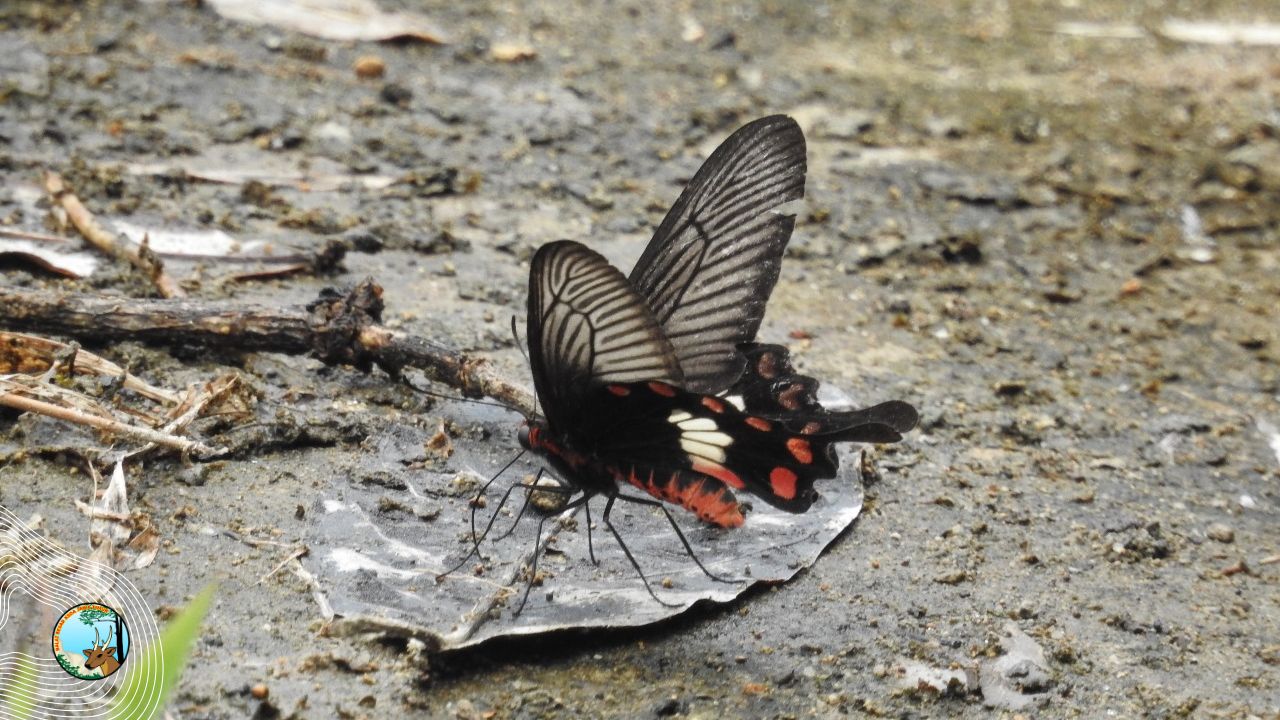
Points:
(101, 655)
(82, 625)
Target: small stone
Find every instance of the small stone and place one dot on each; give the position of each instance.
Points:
(370, 66)
(24, 68)
(513, 52)
(846, 125)
(691, 30)
(259, 691)
(1220, 532)
(330, 137)
(396, 94)
(944, 127)
(305, 50)
(545, 501)
(195, 476)
(668, 708)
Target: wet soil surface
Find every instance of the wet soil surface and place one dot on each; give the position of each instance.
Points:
(1060, 244)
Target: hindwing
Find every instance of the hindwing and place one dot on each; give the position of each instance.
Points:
(770, 387)
(658, 427)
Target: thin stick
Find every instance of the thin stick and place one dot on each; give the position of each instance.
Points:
(28, 235)
(214, 390)
(326, 610)
(338, 328)
(297, 553)
(25, 404)
(22, 353)
(139, 256)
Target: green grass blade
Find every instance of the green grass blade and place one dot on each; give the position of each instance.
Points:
(19, 694)
(150, 681)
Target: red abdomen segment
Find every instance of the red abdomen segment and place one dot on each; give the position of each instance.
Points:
(704, 496)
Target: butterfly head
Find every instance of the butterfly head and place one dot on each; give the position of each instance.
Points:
(533, 435)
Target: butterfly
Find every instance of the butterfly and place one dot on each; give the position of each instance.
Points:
(654, 381)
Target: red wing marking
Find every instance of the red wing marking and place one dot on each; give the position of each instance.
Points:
(783, 482)
(662, 389)
(619, 390)
(811, 427)
(719, 472)
(789, 398)
(800, 450)
(712, 404)
(760, 424)
(767, 366)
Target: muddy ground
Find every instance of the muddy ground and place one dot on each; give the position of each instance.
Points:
(1058, 241)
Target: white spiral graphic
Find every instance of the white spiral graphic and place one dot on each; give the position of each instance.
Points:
(55, 580)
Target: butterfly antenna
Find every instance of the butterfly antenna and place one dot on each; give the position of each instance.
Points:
(456, 398)
(515, 334)
(608, 507)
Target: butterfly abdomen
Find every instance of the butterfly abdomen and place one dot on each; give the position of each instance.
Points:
(705, 497)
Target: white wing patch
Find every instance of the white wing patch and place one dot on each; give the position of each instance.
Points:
(716, 439)
(703, 450)
(704, 424)
(700, 436)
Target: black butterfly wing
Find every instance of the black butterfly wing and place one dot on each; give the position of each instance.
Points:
(586, 327)
(694, 450)
(712, 264)
(771, 388)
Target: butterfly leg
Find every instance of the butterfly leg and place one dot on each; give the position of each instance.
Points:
(538, 547)
(528, 497)
(683, 541)
(608, 506)
(591, 551)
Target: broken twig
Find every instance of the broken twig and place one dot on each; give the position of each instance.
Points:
(140, 257)
(22, 353)
(11, 396)
(337, 328)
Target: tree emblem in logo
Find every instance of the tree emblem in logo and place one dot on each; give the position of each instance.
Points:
(90, 641)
